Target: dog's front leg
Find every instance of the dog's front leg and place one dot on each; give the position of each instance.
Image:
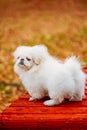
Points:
(37, 94)
(33, 99)
(36, 97)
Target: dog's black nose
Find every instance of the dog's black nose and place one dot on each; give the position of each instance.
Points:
(22, 59)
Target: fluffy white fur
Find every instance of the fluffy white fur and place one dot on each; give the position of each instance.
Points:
(43, 75)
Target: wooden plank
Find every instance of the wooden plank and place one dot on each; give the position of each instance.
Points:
(44, 121)
(46, 110)
(26, 103)
(10, 117)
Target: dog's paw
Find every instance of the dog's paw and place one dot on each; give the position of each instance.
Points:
(75, 99)
(32, 99)
(50, 103)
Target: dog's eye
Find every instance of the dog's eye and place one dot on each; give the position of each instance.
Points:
(28, 58)
(18, 57)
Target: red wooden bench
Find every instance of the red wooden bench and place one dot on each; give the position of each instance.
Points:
(23, 114)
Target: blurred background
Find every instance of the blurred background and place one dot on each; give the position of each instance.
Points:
(59, 24)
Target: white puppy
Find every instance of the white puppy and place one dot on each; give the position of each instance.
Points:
(43, 75)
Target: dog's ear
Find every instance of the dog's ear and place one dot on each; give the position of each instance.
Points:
(37, 61)
(15, 53)
(19, 50)
(39, 53)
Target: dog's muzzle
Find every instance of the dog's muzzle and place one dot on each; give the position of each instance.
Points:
(21, 62)
(22, 65)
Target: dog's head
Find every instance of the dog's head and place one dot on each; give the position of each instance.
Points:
(28, 57)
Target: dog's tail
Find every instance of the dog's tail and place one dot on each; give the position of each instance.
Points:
(73, 65)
